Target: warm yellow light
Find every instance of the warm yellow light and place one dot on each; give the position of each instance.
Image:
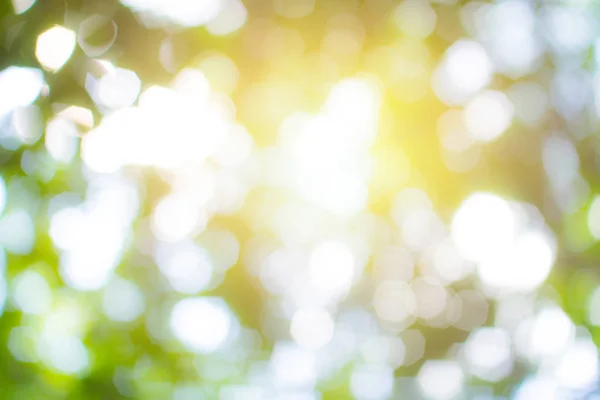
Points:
(54, 47)
(80, 115)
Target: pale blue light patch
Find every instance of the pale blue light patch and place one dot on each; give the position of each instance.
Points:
(20, 87)
(17, 232)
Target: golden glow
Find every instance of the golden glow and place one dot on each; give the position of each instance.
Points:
(312, 193)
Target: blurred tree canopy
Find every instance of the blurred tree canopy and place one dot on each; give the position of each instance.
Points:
(311, 199)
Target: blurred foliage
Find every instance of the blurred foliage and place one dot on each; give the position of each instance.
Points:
(287, 65)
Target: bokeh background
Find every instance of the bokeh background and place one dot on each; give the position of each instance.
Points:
(299, 199)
